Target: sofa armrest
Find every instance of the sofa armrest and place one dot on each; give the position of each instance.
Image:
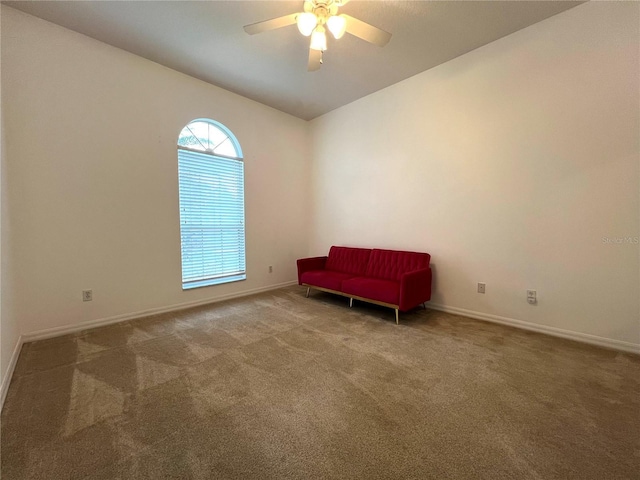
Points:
(415, 288)
(309, 264)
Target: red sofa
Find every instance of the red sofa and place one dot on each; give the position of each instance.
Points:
(393, 278)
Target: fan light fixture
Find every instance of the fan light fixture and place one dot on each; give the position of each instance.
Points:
(312, 21)
(316, 15)
(306, 21)
(337, 26)
(319, 39)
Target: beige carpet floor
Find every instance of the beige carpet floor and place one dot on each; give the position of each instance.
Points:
(279, 386)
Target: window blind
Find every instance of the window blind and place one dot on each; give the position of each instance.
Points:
(211, 219)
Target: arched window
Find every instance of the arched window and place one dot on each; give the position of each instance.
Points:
(211, 184)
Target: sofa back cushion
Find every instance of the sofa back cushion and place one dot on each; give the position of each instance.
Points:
(392, 264)
(348, 260)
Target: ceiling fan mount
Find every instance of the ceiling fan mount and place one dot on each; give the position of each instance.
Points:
(311, 22)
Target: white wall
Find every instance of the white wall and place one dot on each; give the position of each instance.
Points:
(91, 133)
(509, 165)
(9, 330)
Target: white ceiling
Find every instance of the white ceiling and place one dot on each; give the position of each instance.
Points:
(205, 39)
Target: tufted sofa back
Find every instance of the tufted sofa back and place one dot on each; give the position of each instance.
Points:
(392, 264)
(348, 260)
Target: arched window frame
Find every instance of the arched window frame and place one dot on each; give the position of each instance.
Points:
(211, 198)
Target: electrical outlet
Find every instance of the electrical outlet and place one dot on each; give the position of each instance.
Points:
(481, 287)
(270, 268)
(87, 295)
(532, 297)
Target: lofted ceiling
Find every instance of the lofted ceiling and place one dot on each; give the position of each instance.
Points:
(205, 39)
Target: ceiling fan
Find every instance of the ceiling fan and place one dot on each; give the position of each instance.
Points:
(312, 21)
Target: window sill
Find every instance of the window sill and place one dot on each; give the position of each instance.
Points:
(214, 281)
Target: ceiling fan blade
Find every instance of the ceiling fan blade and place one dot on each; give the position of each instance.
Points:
(272, 24)
(366, 32)
(315, 60)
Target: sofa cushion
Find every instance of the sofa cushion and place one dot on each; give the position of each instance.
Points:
(387, 291)
(348, 260)
(325, 279)
(392, 264)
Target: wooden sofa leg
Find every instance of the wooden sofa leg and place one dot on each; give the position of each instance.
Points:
(424, 305)
(308, 288)
(350, 302)
(397, 321)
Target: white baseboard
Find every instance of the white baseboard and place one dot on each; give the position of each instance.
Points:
(77, 327)
(534, 327)
(6, 380)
